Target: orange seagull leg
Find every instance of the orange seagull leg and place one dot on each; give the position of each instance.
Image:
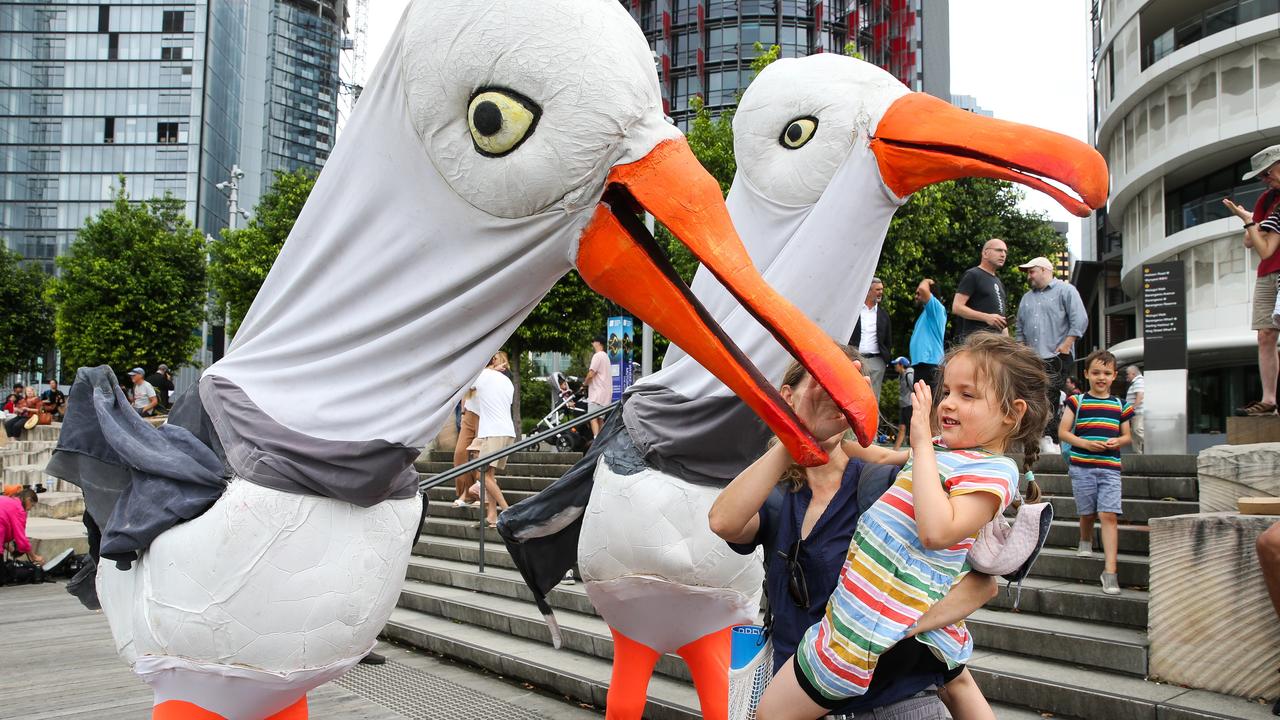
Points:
(633, 665)
(708, 661)
(182, 710)
(296, 711)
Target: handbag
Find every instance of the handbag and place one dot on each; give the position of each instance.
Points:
(46, 418)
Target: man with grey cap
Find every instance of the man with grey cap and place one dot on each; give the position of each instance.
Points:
(1050, 319)
(1262, 235)
(144, 396)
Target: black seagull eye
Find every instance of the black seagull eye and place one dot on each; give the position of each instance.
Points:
(500, 120)
(798, 132)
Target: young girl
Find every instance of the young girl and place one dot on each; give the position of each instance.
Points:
(910, 547)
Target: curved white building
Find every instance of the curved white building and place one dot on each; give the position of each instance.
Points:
(1185, 92)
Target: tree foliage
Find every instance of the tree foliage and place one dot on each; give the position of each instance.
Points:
(132, 288)
(26, 325)
(239, 263)
(939, 234)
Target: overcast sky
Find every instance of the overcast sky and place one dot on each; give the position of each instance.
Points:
(1024, 61)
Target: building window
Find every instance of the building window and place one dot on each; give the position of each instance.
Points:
(175, 53)
(113, 46)
(174, 21)
(167, 132)
(45, 189)
(104, 18)
(108, 130)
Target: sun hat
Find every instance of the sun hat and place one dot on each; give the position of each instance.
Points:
(1041, 261)
(1261, 161)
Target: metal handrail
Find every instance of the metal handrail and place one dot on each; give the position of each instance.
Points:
(482, 463)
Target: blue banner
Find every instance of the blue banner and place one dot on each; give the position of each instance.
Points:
(618, 345)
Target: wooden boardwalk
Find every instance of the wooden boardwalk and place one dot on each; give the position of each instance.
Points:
(57, 660)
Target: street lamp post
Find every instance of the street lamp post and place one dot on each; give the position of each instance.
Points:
(232, 188)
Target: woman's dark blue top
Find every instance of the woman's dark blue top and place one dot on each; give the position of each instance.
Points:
(908, 667)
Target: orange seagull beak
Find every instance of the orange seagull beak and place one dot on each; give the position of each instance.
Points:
(620, 259)
(922, 140)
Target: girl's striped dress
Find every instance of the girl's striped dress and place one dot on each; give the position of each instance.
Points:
(889, 580)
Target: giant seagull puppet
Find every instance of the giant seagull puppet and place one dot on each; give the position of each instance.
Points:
(500, 144)
(828, 147)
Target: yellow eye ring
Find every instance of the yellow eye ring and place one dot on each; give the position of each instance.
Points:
(798, 132)
(500, 120)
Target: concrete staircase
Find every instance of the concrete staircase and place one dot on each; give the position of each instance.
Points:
(1069, 650)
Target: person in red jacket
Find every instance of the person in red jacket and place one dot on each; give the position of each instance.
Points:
(13, 522)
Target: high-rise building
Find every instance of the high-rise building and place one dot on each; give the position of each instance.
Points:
(169, 96)
(1184, 93)
(909, 38)
(704, 48)
(970, 103)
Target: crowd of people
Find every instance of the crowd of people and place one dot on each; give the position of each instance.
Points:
(24, 408)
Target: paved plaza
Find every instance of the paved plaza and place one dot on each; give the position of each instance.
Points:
(57, 660)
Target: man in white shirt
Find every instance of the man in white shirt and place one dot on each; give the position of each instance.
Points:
(872, 336)
(599, 383)
(144, 396)
(1135, 397)
(495, 431)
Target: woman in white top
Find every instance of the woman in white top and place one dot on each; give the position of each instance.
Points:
(496, 430)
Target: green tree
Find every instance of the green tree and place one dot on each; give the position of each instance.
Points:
(239, 263)
(26, 325)
(132, 287)
(564, 321)
(939, 234)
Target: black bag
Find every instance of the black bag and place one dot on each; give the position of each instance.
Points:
(21, 572)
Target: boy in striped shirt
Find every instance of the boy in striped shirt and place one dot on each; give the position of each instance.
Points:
(1096, 425)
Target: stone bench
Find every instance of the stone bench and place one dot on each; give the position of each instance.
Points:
(1229, 472)
(1210, 621)
(50, 536)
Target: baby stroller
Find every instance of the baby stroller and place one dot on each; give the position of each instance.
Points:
(565, 406)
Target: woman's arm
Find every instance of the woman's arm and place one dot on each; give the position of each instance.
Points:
(735, 515)
(972, 592)
(875, 454)
(941, 520)
(1263, 242)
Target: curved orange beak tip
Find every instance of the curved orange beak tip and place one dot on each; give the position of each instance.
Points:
(922, 140)
(619, 259)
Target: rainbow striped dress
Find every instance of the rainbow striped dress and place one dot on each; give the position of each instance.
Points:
(890, 579)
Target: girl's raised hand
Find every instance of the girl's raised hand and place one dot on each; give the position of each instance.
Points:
(921, 412)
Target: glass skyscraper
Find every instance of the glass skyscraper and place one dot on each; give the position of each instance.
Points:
(170, 95)
(705, 47)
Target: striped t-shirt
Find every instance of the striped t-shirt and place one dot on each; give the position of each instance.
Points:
(1098, 419)
(889, 579)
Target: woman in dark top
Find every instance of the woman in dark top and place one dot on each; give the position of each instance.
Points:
(805, 524)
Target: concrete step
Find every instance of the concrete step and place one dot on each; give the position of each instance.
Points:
(500, 582)
(583, 677)
(26, 444)
(465, 551)
(24, 475)
(1134, 539)
(527, 483)
(1075, 600)
(1062, 563)
(538, 456)
(1058, 689)
(59, 505)
(442, 494)
(50, 536)
(583, 633)
(535, 469)
(1153, 487)
(1078, 642)
(1135, 511)
(12, 458)
(1168, 465)
(579, 675)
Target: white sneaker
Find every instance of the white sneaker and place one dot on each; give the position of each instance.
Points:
(1110, 584)
(459, 503)
(1085, 550)
(568, 579)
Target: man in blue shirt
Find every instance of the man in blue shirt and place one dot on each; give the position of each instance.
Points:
(926, 336)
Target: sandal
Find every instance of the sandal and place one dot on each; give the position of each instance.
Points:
(1257, 409)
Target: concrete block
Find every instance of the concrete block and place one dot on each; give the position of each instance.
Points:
(1211, 623)
(1252, 430)
(49, 536)
(1230, 472)
(59, 505)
